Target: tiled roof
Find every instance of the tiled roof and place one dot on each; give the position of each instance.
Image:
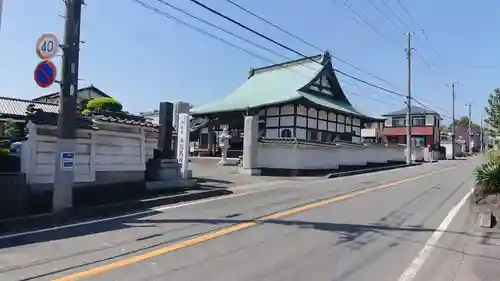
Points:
(414, 110)
(142, 123)
(12, 107)
(282, 83)
(295, 141)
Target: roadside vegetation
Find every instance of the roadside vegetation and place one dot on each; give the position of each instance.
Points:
(488, 174)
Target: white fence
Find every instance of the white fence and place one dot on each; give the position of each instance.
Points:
(305, 156)
(96, 151)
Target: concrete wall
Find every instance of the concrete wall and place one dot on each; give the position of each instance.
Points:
(459, 149)
(102, 156)
(318, 156)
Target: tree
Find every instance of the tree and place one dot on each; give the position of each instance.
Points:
(493, 109)
(107, 104)
(464, 123)
(82, 105)
(12, 129)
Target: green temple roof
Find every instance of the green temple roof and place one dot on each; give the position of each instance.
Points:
(282, 83)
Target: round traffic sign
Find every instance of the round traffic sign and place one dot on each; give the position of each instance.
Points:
(47, 46)
(45, 74)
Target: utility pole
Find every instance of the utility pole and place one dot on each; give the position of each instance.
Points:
(453, 137)
(469, 127)
(481, 145)
(64, 176)
(408, 103)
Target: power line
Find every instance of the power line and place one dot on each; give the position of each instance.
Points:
(382, 13)
(273, 25)
(149, 7)
(396, 15)
(288, 48)
(308, 43)
(222, 29)
(362, 17)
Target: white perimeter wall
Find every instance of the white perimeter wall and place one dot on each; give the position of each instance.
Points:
(305, 156)
(96, 151)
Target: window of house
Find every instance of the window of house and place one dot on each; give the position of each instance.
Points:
(312, 135)
(418, 141)
(399, 122)
(418, 120)
(286, 133)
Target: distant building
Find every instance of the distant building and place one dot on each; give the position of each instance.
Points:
(89, 92)
(425, 126)
(152, 116)
(15, 109)
(179, 107)
(372, 131)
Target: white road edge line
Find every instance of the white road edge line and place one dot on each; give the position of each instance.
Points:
(424, 254)
(167, 207)
(149, 211)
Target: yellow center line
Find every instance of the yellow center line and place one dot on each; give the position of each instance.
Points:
(230, 229)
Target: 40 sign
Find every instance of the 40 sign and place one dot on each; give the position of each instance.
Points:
(47, 46)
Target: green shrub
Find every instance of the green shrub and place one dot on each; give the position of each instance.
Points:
(108, 104)
(493, 155)
(488, 177)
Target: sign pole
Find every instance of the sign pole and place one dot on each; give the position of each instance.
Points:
(65, 156)
(183, 144)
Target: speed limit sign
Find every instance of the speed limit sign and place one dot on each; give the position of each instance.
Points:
(47, 46)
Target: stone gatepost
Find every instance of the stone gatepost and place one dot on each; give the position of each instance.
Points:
(250, 140)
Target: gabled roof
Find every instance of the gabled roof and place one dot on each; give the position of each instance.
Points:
(414, 110)
(89, 88)
(311, 78)
(12, 107)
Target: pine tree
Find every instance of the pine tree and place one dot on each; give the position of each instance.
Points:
(493, 109)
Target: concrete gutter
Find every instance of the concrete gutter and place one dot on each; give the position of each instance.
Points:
(369, 170)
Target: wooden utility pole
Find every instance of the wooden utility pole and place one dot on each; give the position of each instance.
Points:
(408, 103)
(64, 176)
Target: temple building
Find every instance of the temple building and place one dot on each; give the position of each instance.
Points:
(299, 99)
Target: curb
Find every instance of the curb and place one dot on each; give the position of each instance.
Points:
(369, 170)
(99, 211)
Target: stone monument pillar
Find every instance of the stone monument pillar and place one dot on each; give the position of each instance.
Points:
(224, 146)
(250, 140)
(163, 172)
(165, 137)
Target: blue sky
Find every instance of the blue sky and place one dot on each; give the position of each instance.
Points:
(142, 58)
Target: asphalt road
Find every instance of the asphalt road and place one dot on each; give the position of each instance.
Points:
(365, 227)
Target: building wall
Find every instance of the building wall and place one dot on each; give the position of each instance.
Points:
(425, 128)
(298, 121)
